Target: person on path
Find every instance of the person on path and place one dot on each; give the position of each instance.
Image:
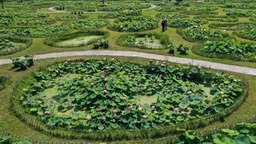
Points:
(164, 24)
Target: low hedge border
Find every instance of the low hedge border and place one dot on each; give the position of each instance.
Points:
(115, 135)
(28, 42)
(51, 41)
(164, 39)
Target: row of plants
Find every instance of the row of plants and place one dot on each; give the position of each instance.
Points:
(70, 17)
(5, 21)
(30, 15)
(80, 92)
(239, 13)
(184, 23)
(243, 133)
(41, 31)
(240, 6)
(199, 34)
(149, 38)
(133, 24)
(9, 45)
(232, 26)
(121, 14)
(171, 15)
(35, 22)
(218, 18)
(247, 34)
(228, 49)
(88, 24)
(170, 8)
(52, 41)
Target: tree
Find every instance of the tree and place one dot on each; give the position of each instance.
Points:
(103, 2)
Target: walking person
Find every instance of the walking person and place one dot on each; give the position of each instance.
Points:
(164, 24)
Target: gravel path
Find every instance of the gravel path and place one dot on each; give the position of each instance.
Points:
(213, 65)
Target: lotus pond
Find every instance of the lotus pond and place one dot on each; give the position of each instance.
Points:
(108, 94)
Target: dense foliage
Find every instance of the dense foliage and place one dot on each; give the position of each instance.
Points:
(133, 24)
(121, 14)
(23, 62)
(171, 15)
(198, 33)
(9, 45)
(229, 49)
(233, 26)
(183, 23)
(244, 133)
(102, 43)
(41, 31)
(88, 24)
(35, 22)
(218, 18)
(102, 95)
(248, 34)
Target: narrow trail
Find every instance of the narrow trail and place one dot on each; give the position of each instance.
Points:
(201, 63)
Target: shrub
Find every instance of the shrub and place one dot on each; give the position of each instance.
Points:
(103, 43)
(182, 49)
(171, 48)
(23, 62)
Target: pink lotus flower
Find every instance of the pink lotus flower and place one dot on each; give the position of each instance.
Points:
(183, 112)
(99, 109)
(145, 116)
(104, 118)
(140, 108)
(105, 91)
(129, 107)
(89, 117)
(114, 111)
(47, 112)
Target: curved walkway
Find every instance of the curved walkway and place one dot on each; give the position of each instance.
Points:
(213, 65)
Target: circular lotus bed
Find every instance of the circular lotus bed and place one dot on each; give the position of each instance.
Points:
(144, 40)
(9, 45)
(105, 95)
(80, 38)
(133, 24)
